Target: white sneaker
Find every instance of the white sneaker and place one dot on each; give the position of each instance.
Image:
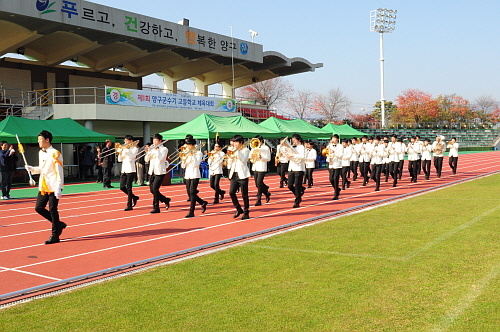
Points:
(5, 197)
(10, 197)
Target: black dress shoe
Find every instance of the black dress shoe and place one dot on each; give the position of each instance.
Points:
(188, 200)
(134, 200)
(190, 215)
(335, 198)
(108, 187)
(52, 239)
(62, 226)
(245, 216)
(128, 208)
(204, 206)
(281, 184)
(268, 197)
(167, 203)
(216, 201)
(296, 205)
(222, 193)
(258, 203)
(309, 187)
(349, 184)
(238, 213)
(155, 211)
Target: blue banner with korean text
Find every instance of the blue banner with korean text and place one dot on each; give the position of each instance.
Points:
(130, 97)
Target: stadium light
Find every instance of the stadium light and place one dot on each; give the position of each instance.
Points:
(382, 20)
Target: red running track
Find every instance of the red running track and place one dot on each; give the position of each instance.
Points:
(100, 235)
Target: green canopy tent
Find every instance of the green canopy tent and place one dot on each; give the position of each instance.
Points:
(63, 131)
(290, 127)
(344, 131)
(208, 126)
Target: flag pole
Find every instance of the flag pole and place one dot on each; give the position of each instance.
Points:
(21, 149)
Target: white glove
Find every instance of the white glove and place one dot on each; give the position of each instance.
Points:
(58, 193)
(29, 168)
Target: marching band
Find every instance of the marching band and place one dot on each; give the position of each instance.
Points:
(373, 156)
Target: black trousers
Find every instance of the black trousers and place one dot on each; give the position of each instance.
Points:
(242, 184)
(426, 167)
(344, 174)
(377, 169)
(413, 169)
(52, 214)
(126, 180)
(419, 165)
(438, 165)
(393, 168)
(6, 183)
(192, 189)
(364, 169)
(334, 176)
(106, 176)
(154, 188)
(453, 161)
(308, 176)
(401, 167)
(100, 175)
(282, 169)
(354, 169)
(262, 188)
(295, 184)
(215, 184)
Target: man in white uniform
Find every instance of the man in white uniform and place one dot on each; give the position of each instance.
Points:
(157, 159)
(51, 172)
(260, 157)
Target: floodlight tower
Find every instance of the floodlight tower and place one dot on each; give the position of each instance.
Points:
(382, 20)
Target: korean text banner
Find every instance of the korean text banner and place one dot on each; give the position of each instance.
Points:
(86, 14)
(130, 97)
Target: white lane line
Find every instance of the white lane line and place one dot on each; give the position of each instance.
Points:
(338, 253)
(477, 289)
(5, 269)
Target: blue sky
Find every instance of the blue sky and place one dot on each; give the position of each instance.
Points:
(440, 47)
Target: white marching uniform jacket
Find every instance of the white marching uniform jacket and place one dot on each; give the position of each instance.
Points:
(355, 152)
(442, 148)
(127, 158)
(238, 164)
(310, 158)
(191, 164)
(378, 153)
(453, 149)
(157, 159)
(394, 151)
(335, 153)
(265, 155)
(51, 171)
(413, 150)
(364, 152)
(402, 151)
(215, 163)
(346, 156)
(297, 162)
(426, 152)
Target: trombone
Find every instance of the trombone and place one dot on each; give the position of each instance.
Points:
(183, 153)
(119, 146)
(144, 152)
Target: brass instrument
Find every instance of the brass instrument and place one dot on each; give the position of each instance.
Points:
(184, 152)
(325, 152)
(438, 149)
(143, 152)
(278, 154)
(119, 146)
(255, 144)
(290, 152)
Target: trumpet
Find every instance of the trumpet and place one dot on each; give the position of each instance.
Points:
(144, 152)
(119, 146)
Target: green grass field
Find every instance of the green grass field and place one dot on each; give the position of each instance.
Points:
(429, 263)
